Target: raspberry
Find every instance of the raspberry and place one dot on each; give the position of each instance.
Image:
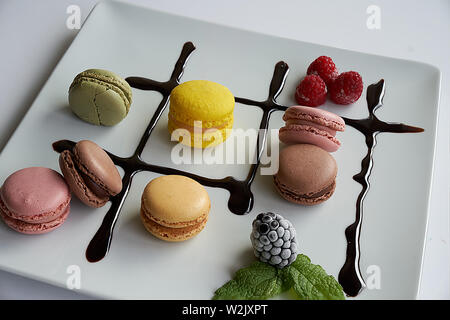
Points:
(347, 88)
(325, 68)
(274, 240)
(311, 91)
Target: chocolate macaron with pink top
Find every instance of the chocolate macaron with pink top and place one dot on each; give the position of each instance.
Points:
(34, 200)
(312, 126)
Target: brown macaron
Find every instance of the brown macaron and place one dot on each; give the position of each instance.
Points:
(90, 173)
(174, 208)
(306, 174)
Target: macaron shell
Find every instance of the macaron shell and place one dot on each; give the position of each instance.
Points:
(76, 182)
(97, 165)
(111, 78)
(201, 100)
(315, 115)
(175, 201)
(35, 228)
(295, 134)
(35, 194)
(81, 100)
(108, 110)
(172, 234)
(306, 169)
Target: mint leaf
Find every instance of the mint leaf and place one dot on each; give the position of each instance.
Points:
(311, 282)
(258, 281)
(262, 281)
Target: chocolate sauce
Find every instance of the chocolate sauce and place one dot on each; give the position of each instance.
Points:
(241, 198)
(350, 275)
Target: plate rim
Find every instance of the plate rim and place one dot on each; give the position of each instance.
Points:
(438, 91)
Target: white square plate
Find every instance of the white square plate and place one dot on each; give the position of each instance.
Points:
(134, 41)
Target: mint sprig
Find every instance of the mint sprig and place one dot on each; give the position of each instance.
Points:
(311, 282)
(258, 281)
(262, 281)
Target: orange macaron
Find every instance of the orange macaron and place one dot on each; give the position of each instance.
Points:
(174, 208)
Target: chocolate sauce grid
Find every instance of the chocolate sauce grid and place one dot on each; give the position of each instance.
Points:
(241, 198)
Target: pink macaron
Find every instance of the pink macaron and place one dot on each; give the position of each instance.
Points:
(311, 126)
(34, 200)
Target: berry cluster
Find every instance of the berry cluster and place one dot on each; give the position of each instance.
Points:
(322, 78)
(274, 239)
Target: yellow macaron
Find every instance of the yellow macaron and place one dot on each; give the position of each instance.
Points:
(174, 208)
(204, 109)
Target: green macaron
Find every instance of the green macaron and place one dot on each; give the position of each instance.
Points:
(100, 97)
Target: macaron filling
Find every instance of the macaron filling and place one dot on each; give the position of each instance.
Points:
(318, 117)
(179, 224)
(94, 187)
(169, 232)
(293, 122)
(292, 194)
(313, 131)
(191, 127)
(33, 228)
(34, 219)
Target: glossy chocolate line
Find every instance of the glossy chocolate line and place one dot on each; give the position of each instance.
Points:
(101, 242)
(350, 274)
(268, 106)
(241, 197)
(165, 88)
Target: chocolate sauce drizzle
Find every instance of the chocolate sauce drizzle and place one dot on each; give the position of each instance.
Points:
(350, 275)
(241, 198)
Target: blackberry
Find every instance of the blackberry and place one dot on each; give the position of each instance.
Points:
(274, 239)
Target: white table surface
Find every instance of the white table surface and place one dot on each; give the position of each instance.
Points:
(34, 36)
